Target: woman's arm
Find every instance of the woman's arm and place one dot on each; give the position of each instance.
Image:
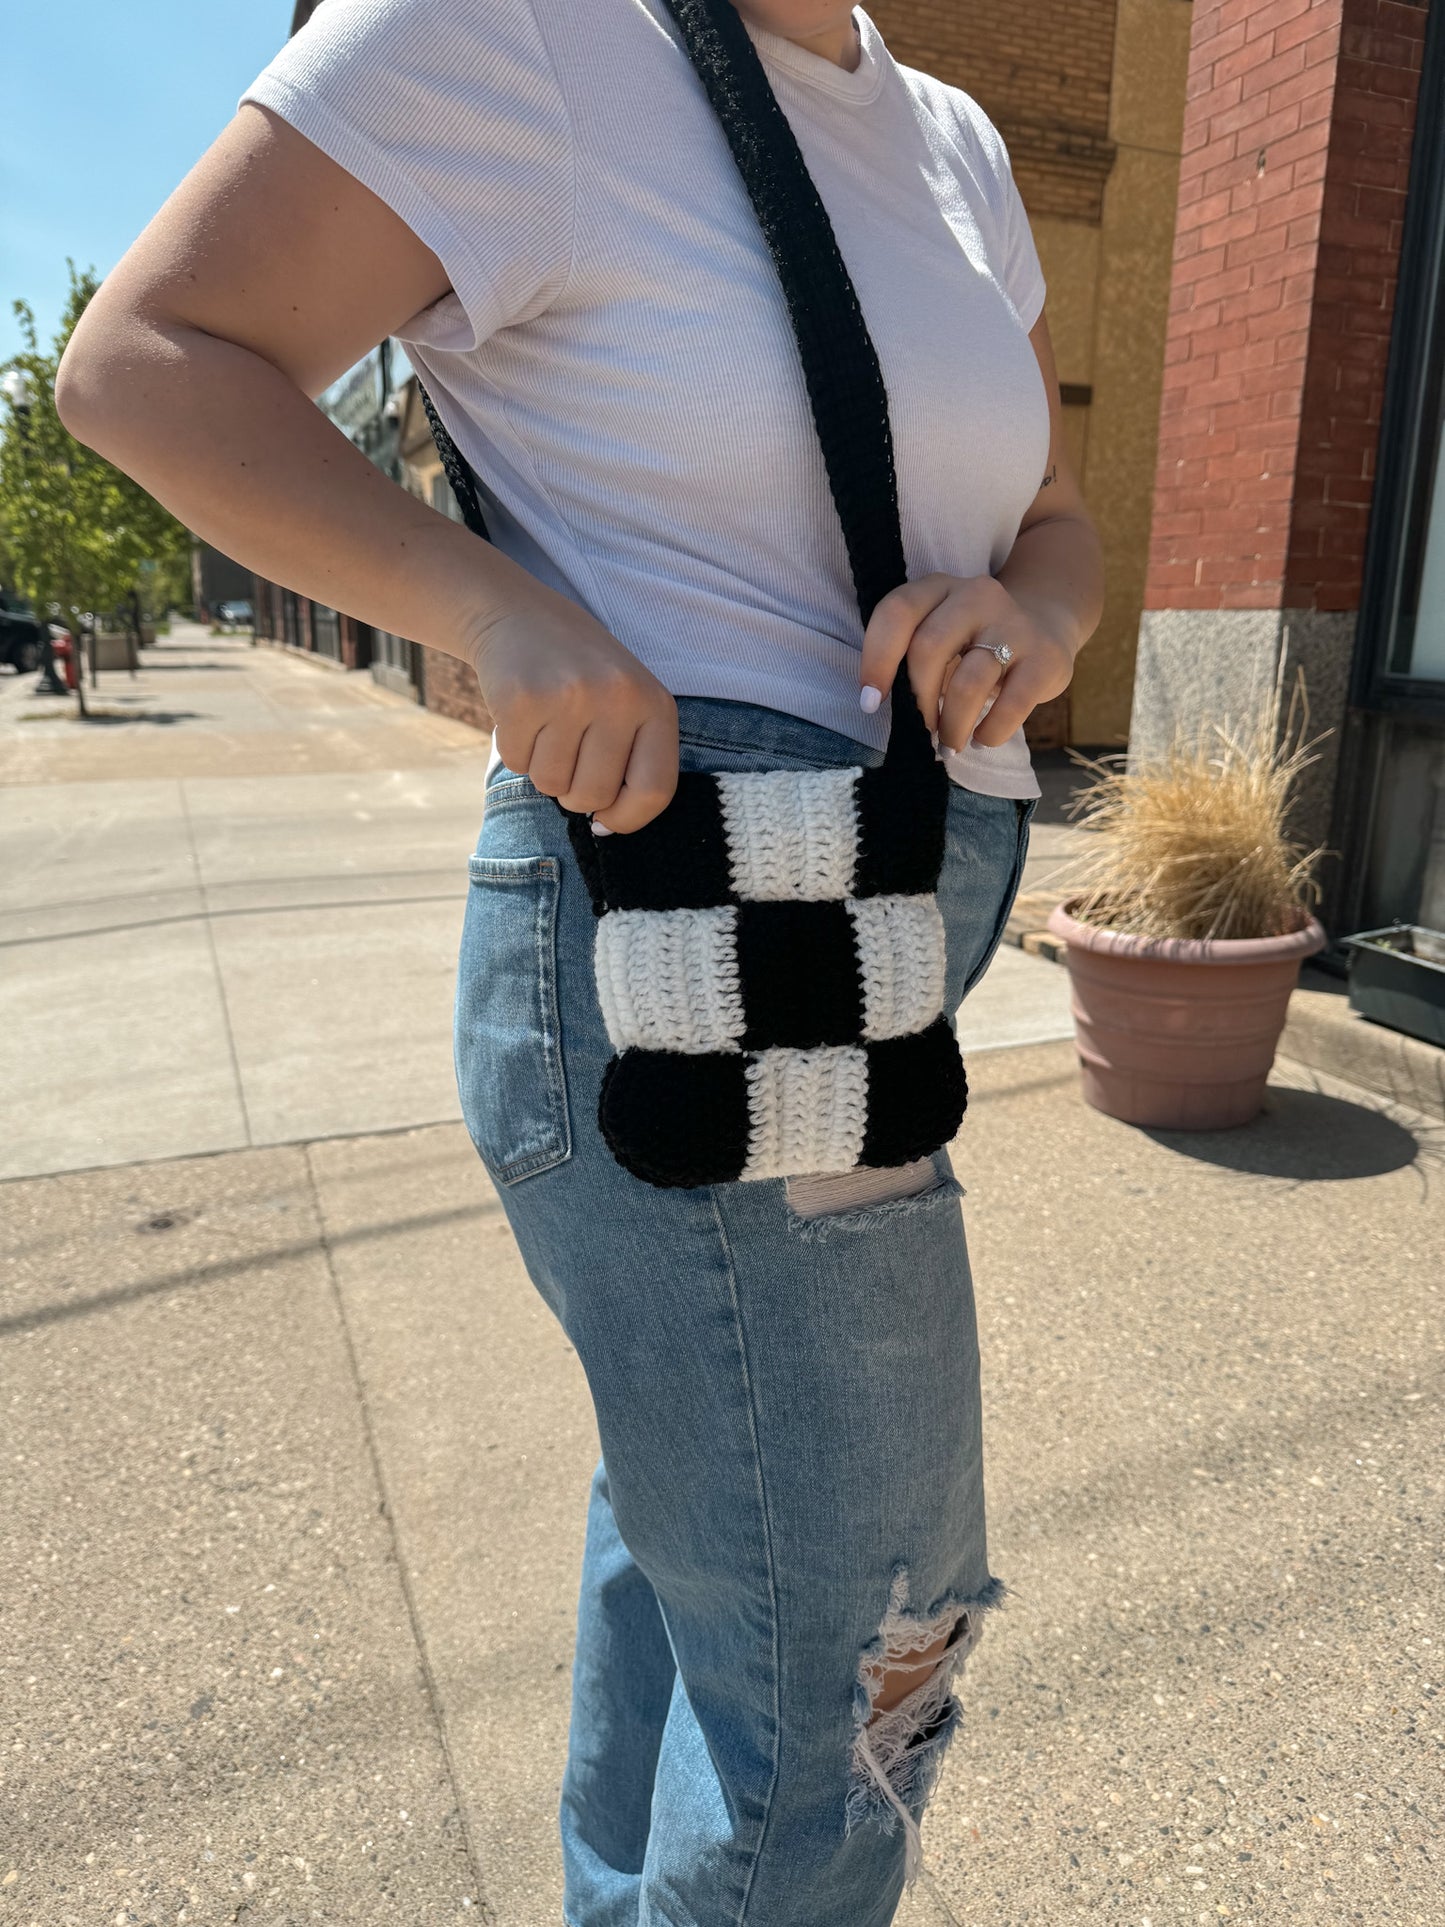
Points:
(1045, 603)
(267, 275)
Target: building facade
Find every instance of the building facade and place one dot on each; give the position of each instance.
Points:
(1089, 97)
(1295, 511)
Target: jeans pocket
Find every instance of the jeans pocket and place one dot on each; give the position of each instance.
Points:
(1010, 879)
(508, 1032)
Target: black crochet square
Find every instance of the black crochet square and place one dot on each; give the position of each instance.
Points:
(678, 861)
(676, 1121)
(585, 847)
(798, 967)
(917, 1095)
(902, 830)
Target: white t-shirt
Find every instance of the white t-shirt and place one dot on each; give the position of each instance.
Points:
(615, 358)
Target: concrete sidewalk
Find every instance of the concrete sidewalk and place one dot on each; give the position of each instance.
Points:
(205, 906)
(295, 1500)
(292, 1501)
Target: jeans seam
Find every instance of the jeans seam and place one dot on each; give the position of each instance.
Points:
(763, 1507)
(507, 873)
(789, 759)
(551, 1013)
(1011, 890)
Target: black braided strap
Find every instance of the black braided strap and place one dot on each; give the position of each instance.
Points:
(457, 471)
(840, 364)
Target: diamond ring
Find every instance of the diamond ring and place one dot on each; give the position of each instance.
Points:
(1000, 651)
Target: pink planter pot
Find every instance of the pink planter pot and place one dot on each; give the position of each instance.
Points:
(1176, 1033)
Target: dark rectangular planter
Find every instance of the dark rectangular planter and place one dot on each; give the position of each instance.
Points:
(1397, 977)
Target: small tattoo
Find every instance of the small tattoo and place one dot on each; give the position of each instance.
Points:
(1052, 476)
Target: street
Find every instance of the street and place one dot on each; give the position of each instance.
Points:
(296, 1463)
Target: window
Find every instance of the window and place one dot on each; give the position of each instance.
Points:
(442, 497)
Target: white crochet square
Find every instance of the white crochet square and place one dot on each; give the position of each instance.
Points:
(807, 1111)
(901, 953)
(791, 834)
(668, 979)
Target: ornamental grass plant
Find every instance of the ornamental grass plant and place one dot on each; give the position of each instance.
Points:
(1195, 843)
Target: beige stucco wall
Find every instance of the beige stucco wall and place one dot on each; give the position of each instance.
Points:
(1107, 308)
(1069, 254)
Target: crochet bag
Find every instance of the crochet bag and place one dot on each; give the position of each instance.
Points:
(770, 953)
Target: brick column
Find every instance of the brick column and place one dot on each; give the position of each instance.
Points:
(1295, 162)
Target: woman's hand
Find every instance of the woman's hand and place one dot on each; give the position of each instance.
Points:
(935, 622)
(575, 711)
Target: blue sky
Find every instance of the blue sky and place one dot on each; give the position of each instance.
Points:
(106, 107)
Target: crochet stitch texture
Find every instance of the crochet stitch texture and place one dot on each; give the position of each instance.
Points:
(757, 1024)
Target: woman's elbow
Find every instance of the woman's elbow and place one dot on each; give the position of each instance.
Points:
(113, 376)
(82, 385)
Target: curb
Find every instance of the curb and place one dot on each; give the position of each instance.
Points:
(305, 655)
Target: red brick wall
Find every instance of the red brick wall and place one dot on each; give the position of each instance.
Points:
(1041, 73)
(1292, 182)
(1360, 230)
(450, 688)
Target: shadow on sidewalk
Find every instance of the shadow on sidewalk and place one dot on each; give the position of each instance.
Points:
(1307, 1136)
(219, 1269)
(98, 718)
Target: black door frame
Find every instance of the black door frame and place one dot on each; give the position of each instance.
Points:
(1382, 699)
(1410, 419)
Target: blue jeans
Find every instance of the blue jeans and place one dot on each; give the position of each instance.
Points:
(790, 1498)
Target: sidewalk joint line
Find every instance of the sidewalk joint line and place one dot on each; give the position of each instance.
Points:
(216, 963)
(206, 914)
(373, 1447)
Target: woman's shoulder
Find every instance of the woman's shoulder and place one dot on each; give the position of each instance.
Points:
(959, 115)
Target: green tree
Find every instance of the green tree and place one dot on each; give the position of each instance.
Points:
(74, 530)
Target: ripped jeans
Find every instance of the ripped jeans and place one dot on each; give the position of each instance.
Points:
(786, 1384)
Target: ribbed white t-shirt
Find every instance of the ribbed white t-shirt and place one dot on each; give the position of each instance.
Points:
(615, 357)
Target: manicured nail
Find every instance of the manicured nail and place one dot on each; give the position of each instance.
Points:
(600, 829)
(869, 698)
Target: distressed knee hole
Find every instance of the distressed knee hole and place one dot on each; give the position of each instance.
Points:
(906, 1712)
(904, 1677)
(852, 1196)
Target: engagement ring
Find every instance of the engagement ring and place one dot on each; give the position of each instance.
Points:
(999, 650)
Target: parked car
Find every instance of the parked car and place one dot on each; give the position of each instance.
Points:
(21, 634)
(234, 615)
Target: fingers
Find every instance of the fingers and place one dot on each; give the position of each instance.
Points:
(974, 680)
(937, 623)
(650, 781)
(622, 777)
(513, 742)
(1023, 689)
(891, 630)
(940, 653)
(553, 758)
(600, 767)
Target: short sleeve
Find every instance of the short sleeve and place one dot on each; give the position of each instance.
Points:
(449, 111)
(1020, 269)
(1023, 271)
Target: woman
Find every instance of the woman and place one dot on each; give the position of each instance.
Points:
(785, 1558)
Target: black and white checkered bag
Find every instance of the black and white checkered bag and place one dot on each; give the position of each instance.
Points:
(770, 961)
(770, 953)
